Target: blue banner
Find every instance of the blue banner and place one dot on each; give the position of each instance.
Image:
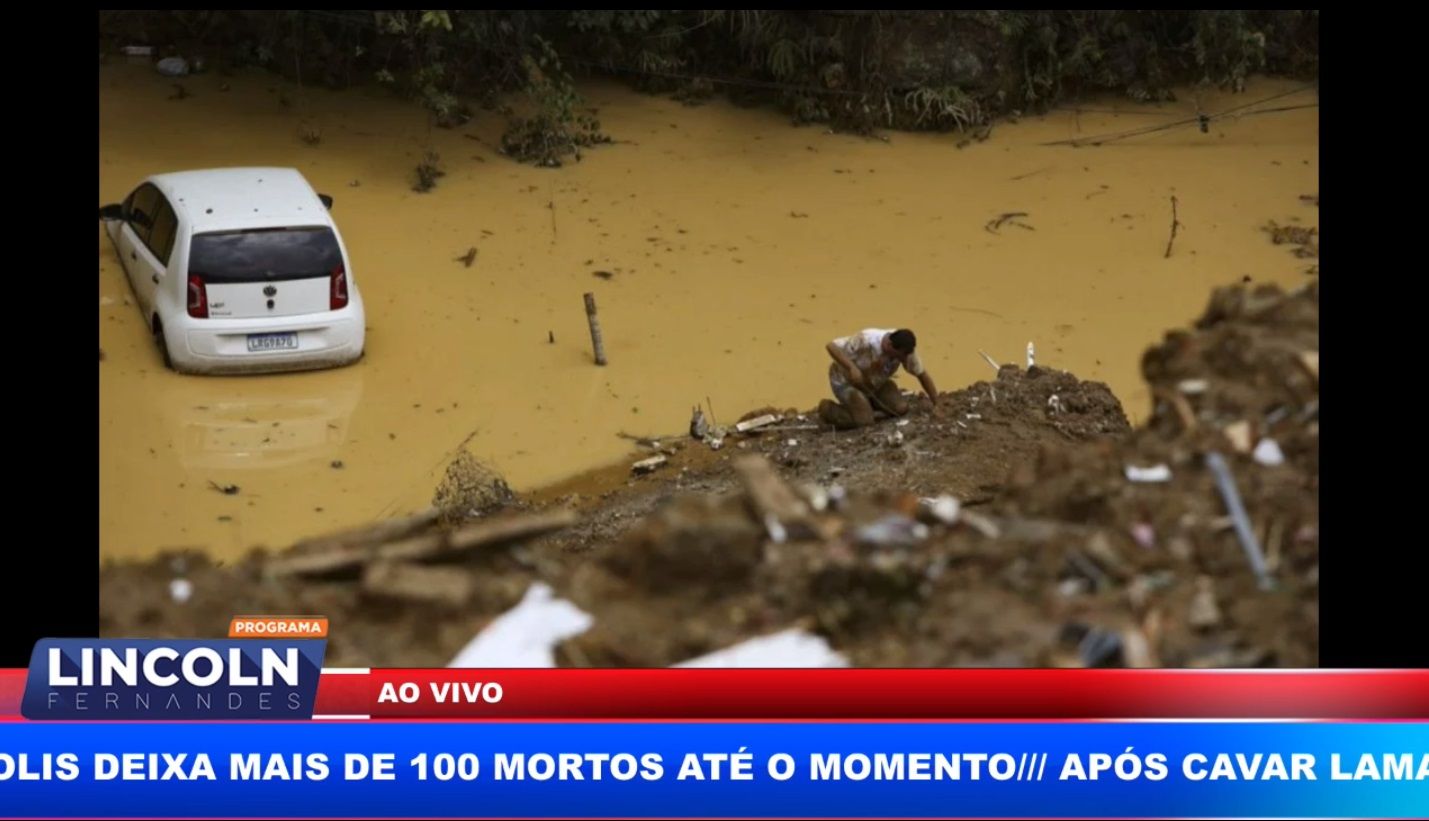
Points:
(715, 769)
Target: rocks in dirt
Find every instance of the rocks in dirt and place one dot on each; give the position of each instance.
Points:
(699, 541)
(1099, 549)
(172, 67)
(445, 586)
(1204, 613)
(1239, 434)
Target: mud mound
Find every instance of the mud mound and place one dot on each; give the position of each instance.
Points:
(469, 489)
(1102, 549)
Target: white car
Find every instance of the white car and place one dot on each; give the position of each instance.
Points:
(239, 270)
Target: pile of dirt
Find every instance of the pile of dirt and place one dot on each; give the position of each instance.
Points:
(1021, 522)
(470, 489)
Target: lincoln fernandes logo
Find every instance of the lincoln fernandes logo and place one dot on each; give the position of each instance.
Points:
(269, 290)
(135, 679)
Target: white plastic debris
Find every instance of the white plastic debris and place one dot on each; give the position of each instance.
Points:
(793, 443)
(895, 530)
(1157, 473)
(173, 67)
(527, 634)
(943, 508)
(1055, 403)
(1030, 360)
(181, 590)
(791, 648)
(1268, 453)
(1193, 387)
(777, 533)
(817, 497)
(902, 423)
(756, 423)
(647, 465)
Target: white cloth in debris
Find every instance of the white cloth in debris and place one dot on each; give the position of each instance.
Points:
(527, 634)
(791, 648)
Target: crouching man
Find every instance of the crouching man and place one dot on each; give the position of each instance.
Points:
(861, 376)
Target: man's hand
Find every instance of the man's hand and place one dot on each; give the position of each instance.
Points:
(856, 379)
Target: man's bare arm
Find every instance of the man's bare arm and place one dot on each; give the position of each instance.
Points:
(855, 376)
(926, 380)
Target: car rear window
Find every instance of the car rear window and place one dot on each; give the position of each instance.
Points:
(267, 255)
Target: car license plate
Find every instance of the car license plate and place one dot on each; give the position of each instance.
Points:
(272, 342)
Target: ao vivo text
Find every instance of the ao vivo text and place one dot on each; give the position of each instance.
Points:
(441, 692)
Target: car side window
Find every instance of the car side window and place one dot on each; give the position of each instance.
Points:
(140, 210)
(161, 238)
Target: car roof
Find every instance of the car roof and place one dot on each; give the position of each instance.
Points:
(219, 199)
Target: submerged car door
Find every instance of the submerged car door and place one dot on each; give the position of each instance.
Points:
(151, 257)
(131, 240)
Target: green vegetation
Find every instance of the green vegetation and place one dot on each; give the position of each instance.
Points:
(853, 70)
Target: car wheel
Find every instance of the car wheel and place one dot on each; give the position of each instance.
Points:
(162, 341)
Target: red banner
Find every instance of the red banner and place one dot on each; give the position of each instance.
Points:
(858, 694)
(876, 694)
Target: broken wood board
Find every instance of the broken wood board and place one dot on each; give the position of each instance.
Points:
(384, 531)
(756, 423)
(447, 586)
(774, 503)
(425, 547)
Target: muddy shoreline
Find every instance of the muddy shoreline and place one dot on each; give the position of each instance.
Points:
(1063, 553)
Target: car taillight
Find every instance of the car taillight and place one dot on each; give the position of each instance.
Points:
(198, 298)
(338, 290)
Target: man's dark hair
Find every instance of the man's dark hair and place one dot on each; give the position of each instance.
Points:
(904, 341)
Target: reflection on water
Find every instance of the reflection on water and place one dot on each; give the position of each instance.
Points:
(239, 425)
(737, 247)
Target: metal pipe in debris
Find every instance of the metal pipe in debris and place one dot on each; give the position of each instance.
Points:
(1226, 484)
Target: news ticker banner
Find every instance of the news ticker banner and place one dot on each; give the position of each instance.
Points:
(256, 728)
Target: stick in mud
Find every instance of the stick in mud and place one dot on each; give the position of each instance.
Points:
(1226, 484)
(1175, 223)
(595, 339)
(991, 361)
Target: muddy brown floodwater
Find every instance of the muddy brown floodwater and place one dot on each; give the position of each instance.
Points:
(738, 246)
